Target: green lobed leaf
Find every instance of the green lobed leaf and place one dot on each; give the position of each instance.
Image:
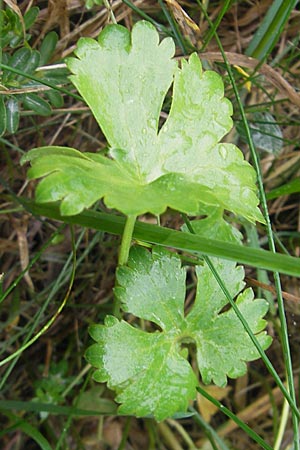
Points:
(124, 79)
(214, 226)
(150, 371)
(149, 275)
(223, 346)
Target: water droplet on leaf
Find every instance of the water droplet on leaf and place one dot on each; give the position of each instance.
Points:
(223, 151)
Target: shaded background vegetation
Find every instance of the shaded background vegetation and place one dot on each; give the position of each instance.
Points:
(52, 371)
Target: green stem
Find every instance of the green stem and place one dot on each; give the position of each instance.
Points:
(125, 434)
(216, 442)
(166, 237)
(282, 426)
(177, 35)
(126, 240)
(123, 256)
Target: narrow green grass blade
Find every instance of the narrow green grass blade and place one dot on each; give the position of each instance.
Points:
(291, 397)
(285, 189)
(225, 6)
(238, 421)
(154, 234)
(14, 405)
(30, 431)
(289, 393)
(247, 328)
(211, 434)
(262, 275)
(174, 27)
(145, 16)
(67, 424)
(253, 338)
(270, 29)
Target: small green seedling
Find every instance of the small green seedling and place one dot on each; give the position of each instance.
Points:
(124, 78)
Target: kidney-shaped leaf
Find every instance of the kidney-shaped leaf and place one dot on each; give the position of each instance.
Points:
(150, 371)
(124, 78)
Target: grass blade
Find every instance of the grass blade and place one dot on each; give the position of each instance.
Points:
(290, 392)
(288, 188)
(270, 29)
(232, 416)
(154, 234)
(108, 408)
(31, 432)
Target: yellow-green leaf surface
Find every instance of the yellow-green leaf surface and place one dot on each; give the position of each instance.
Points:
(150, 372)
(124, 78)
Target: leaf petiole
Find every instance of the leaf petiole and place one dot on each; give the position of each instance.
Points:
(126, 240)
(124, 253)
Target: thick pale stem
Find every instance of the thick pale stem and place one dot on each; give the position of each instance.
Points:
(124, 253)
(126, 240)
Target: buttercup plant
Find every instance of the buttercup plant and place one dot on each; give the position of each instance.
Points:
(124, 78)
